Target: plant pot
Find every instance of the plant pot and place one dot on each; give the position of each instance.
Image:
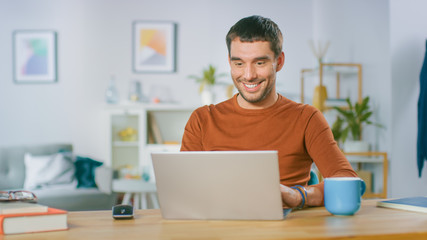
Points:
(355, 146)
(208, 97)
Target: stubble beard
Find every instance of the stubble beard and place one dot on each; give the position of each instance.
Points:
(258, 99)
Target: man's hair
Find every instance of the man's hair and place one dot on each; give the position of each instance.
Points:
(256, 28)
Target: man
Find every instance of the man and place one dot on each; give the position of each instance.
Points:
(258, 118)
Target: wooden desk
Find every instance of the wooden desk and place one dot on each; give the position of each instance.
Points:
(369, 223)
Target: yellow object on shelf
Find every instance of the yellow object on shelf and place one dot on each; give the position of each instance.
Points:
(319, 97)
(128, 134)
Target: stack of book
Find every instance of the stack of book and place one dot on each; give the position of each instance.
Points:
(22, 217)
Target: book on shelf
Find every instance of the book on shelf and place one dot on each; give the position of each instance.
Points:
(51, 220)
(154, 134)
(416, 204)
(21, 207)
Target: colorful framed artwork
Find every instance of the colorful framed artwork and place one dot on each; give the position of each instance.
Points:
(154, 47)
(35, 56)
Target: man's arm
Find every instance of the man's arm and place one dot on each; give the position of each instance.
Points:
(327, 156)
(192, 138)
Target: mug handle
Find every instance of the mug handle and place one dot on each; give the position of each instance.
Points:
(363, 188)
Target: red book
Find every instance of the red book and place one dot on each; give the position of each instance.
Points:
(52, 220)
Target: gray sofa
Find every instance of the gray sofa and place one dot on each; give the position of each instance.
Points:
(12, 177)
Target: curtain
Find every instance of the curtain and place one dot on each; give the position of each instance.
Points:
(422, 118)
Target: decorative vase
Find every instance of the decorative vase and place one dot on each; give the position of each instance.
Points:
(319, 97)
(207, 95)
(111, 94)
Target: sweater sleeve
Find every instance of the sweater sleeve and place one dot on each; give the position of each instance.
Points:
(192, 138)
(324, 151)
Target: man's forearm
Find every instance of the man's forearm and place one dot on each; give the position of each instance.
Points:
(292, 197)
(314, 196)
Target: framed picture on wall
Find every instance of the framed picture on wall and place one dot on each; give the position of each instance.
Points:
(154, 47)
(34, 56)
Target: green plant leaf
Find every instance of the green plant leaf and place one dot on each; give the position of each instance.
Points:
(354, 118)
(208, 77)
(337, 128)
(344, 135)
(350, 106)
(346, 114)
(365, 117)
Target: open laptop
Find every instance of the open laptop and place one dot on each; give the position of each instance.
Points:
(219, 185)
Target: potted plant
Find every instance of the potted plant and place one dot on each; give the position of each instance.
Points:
(207, 80)
(347, 129)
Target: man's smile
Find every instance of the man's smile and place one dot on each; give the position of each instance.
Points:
(252, 87)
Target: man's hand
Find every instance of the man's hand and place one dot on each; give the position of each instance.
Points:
(290, 197)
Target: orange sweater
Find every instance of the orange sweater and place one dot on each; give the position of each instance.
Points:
(298, 132)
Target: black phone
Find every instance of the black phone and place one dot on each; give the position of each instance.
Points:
(122, 211)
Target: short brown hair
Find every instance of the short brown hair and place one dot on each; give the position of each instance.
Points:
(256, 28)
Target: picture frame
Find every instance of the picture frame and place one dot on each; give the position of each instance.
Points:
(34, 56)
(154, 47)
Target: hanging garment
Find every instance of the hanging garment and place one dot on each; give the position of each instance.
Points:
(422, 118)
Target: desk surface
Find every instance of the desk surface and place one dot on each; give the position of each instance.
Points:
(369, 223)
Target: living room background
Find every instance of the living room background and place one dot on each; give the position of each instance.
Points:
(95, 40)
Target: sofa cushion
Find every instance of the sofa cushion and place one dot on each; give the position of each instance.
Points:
(85, 171)
(48, 170)
(12, 168)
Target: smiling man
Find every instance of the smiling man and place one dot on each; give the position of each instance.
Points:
(258, 118)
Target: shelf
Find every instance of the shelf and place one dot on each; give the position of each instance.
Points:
(339, 70)
(152, 106)
(371, 157)
(125, 143)
(331, 71)
(164, 147)
(361, 159)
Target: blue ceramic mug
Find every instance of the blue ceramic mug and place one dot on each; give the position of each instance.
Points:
(343, 195)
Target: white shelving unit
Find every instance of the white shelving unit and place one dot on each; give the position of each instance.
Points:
(170, 121)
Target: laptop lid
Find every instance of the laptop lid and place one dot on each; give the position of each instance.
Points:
(223, 185)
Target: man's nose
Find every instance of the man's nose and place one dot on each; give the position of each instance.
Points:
(250, 72)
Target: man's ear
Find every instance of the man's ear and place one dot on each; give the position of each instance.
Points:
(280, 61)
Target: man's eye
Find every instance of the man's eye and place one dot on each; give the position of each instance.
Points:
(259, 63)
(238, 64)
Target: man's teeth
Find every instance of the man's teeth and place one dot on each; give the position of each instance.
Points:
(251, 85)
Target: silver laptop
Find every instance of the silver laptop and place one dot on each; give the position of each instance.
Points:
(222, 185)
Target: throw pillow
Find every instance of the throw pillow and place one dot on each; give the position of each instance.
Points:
(48, 170)
(85, 172)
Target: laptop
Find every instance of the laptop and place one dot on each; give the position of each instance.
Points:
(218, 185)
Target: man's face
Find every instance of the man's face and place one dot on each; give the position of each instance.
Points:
(253, 69)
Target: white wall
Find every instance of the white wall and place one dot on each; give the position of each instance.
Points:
(94, 40)
(408, 37)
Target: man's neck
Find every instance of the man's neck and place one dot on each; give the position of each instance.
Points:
(267, 102)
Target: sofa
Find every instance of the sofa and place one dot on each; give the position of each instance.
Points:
(50, 172)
